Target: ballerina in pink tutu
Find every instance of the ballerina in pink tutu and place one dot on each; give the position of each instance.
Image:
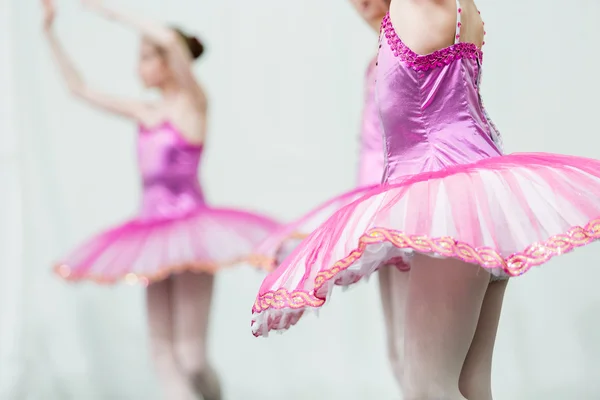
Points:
(176, 242)
(393, 281)
(457, 210)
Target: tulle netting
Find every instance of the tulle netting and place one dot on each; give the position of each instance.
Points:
(143, 250)
(506, 214)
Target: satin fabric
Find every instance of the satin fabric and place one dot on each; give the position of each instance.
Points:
(441, 121)
(168, 166)
(371, 157)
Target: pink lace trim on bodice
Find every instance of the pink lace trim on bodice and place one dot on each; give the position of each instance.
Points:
(438, 58)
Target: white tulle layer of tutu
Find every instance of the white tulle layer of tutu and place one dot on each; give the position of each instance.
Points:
(369, 263)
(506, 214)
(142, 251)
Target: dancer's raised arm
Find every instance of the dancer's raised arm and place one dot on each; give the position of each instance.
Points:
(179, 50)
(73, 79)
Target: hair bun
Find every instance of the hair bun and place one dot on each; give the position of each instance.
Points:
(195, 46)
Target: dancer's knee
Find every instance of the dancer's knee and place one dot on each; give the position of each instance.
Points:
(408, 394)
(191, 358)
(162, 351)
(475, 386)
(194, 365)
(421, 384)
(396, 358)
(433, 397)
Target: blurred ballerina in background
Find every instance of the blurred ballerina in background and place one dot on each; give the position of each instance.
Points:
(176, 242)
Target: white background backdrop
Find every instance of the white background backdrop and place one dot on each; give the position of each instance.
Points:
(285, 86)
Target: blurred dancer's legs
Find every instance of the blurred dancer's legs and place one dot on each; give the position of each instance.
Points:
(191, 305)
(159, 304)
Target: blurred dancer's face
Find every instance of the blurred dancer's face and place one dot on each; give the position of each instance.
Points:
(152, 66)
(371, 10)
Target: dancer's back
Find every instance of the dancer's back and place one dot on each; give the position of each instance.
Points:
(429, 104)
(427, 26)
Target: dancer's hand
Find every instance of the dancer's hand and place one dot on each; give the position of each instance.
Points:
(49, 14)
(92, 4)
(99, 7)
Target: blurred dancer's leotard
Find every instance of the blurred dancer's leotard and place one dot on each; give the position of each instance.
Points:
(175, 230)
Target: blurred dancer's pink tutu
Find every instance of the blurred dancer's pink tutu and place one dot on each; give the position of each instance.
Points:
(447, 191)
(175, 230)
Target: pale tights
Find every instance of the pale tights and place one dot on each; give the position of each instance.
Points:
(451, 308)
(393, 287)
(442, 331)
(178, 314)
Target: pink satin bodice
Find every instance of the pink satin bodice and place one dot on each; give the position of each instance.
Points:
(371, 156)
(168, 164)
(430, 108)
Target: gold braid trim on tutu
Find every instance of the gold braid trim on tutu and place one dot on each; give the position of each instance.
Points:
(513, 265)
(131, 278)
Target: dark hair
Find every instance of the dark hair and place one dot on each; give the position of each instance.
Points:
(194, 45)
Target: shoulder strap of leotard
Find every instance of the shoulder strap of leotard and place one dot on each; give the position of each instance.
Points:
(494, 132)
(458, 23)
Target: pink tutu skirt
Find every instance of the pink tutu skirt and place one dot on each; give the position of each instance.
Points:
(144, 250)
(506, 214)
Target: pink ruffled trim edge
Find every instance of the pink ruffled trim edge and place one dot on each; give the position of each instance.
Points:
(208, 267)
(514, 265)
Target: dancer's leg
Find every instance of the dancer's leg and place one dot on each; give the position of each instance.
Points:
(159, 306)
(393, 286)
(192, 296)
(443, 305)
(476, 375)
